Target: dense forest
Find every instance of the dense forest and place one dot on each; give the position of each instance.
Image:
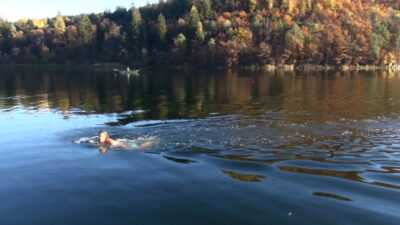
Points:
(214, 32)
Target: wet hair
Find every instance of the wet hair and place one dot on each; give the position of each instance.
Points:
(105, 132)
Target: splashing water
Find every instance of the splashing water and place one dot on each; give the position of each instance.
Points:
(87, 140)
(140, 142)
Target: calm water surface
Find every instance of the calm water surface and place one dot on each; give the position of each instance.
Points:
(233, 147)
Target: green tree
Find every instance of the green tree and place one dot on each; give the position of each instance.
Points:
(288, 5)
(180, 41)
(143, 34)
(136, 29)
(375, 44)
(294, 40)
(180, 47)
(255, 23)
(85, 29)
(25, 26)
(8, 30)
(206, 9)
(397, 41)
(379, 38)
(232, 5)
(211, 48)
(252, 5)
(294, 36)
(136, 24)
(59, 25)
(200, 33)
(194, 18)
(162, 27)
(30, 26)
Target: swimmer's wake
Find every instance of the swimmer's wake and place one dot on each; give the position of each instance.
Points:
(103, 141)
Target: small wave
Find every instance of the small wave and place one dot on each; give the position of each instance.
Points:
(86, 140)
(130, 112)
(347, 133)
(147, 123)
(381, 131)
(141, 142)
(144, 138)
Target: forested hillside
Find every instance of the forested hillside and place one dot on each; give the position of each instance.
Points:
(214, 32)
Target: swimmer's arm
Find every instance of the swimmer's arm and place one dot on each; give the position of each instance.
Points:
(118, 144)
(146, 145)
(122, 145)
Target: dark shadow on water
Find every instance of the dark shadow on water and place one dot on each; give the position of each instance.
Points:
(179, 160)
(334, 196)
(244, 177)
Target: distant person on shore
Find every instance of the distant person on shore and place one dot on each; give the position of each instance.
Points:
(105, 141)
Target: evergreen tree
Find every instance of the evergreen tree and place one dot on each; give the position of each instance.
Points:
(136, 24)
(194, 18)
(211, 46)
(162, 27)
(85, 29)
(379, 38)
(294, 41)
(252, 6)
(144, 35)
(180, 41)
(8, 30)
(25, 26)
(227, 32)
(200, 33)
(206, 9)
(136, 29)
(288, 5)
(397, 41)
(180, 47)
(59, 25)
(375, 42)
(232, 5)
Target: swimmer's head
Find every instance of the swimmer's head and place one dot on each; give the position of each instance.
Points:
(103, 136)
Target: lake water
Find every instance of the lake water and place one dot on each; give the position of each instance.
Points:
(233, 147)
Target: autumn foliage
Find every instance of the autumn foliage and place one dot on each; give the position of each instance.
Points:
(215, 32)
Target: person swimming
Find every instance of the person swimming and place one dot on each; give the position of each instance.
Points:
(105, 141)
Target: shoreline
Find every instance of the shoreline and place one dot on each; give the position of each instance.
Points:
(310, 67)
(266, 67)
